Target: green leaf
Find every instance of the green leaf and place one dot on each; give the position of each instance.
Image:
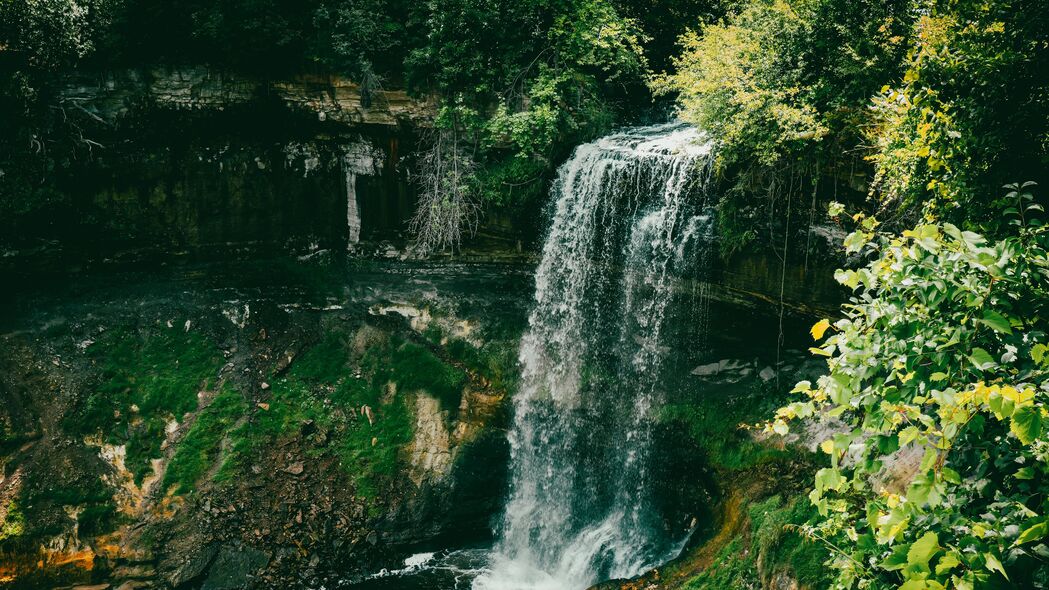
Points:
(1024, 473)
(994, 565)
(982, 359)
(802, 387)
(946, 564)
(923, 550)
(828, 479)
(1026, 424)
(996, 322)
(855, 241)
(1035, 532)
(1038, 352)
(921, 585)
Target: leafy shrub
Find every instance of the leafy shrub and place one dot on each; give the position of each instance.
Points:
(941, 356)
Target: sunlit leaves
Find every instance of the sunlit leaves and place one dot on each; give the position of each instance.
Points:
(936, 369)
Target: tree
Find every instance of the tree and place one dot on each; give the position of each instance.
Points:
(447, 206)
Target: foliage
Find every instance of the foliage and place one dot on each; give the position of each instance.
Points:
(777, 78)
(971, 112)
(940, 357)
(54, 33)
(784, 87)
(554, 88)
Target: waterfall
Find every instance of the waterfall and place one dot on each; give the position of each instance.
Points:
(627, 209)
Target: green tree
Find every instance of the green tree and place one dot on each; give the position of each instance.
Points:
(970, 113)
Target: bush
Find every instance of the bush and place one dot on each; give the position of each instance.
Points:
(943, 355)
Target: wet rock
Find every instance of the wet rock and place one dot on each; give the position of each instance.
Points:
(134, 572)
(295, 468)
(730, 365)
(193, 567)
(431, 456)
(767, 374)
(707, 370)
(235, 568)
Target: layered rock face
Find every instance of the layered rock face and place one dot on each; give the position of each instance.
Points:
(197, 161)
(220, 428)
(332, 98)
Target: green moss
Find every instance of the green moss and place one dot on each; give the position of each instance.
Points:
(770, 544)
(716, 430)
(781, 547)
(200, 448)
(416, 367)
(13, 524)
(713, 420)
(496, 361)
(146, 379)
(327, 362)
(322, 390)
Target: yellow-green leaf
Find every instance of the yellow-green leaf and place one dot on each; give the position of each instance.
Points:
(994, 565)
(1026, 424)
(819, 329)
(1035, 532)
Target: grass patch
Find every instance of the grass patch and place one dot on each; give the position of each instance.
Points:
(321, 389)
(200, 448)
(768, 546)
(146, 379)
(13, 524)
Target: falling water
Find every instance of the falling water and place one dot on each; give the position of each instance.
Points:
(626, 209)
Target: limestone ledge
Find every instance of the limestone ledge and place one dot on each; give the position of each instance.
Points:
(106, 96)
